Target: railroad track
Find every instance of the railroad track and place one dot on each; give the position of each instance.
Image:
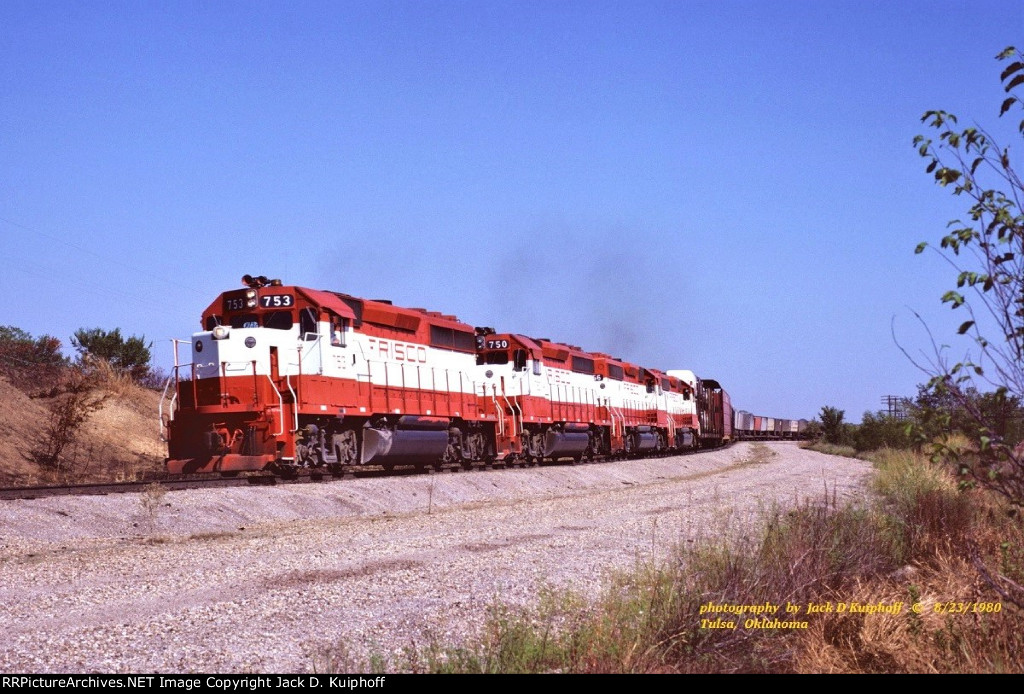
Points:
(301, 476)
(101, 489)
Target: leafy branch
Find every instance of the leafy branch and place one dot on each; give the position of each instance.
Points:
(986, 249)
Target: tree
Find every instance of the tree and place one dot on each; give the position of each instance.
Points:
(936, 411)
(131, 356)
(986, 249)
(832, 424)
(879, 430)
(30, 363)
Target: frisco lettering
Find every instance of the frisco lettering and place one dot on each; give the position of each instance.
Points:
(398, 351)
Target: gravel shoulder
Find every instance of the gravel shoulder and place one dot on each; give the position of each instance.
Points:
(265, 579)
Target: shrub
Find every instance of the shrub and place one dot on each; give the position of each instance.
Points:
(129, 356)
(28, 362)
(880, 431)
(68, 412)
(835, 432)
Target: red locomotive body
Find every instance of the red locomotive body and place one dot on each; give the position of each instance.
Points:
(284, 377)
(293, 376)
(560, 401)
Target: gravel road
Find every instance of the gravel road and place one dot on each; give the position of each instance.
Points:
(265, 579)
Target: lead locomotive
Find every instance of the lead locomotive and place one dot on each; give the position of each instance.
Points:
(285, 377)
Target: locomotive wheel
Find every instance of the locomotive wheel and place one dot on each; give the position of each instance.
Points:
(346, 447)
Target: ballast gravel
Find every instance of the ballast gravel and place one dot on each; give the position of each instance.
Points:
(312, 577)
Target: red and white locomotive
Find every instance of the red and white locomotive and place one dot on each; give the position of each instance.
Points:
(283, 377)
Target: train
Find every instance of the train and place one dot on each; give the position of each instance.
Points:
(283, 378)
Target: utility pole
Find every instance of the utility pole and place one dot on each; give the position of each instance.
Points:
(896, 406)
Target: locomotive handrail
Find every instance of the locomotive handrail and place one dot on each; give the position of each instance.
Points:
(497, 408)
(504, 396)
(163, 394)
(420, 389)
(280, 405)
(622, 419)
(405, 389)
(295, 403)
(175, 342)
(518, 406)
(160, 408)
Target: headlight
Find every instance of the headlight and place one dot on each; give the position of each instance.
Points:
(220, 332)
(250, 294)
(251, 303)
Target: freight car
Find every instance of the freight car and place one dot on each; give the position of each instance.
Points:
(286, 377)
(748, 426)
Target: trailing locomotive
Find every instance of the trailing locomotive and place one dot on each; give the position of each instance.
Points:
(283, 377)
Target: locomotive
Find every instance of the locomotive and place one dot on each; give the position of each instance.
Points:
(284, 377)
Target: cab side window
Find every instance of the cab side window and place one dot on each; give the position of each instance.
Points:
(308, 324)
(338, 327)
(519, 360)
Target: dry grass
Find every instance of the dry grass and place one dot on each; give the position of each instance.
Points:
(935, 641)
(928, 512)
(830, 448)
(944, 533)
(118, 441)
(922, 543)
(115, 383)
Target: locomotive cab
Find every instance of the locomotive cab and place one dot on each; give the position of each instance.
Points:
(234, 401)
(288, 377)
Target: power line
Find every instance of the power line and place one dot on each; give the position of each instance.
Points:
(119, 261)
(896, 406)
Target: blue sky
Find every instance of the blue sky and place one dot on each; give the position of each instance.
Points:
(727, 186)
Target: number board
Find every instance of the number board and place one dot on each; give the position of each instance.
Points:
(497, 344)
(277, 300)
(234, 303)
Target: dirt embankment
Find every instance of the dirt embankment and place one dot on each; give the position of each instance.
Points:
(118, 441)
